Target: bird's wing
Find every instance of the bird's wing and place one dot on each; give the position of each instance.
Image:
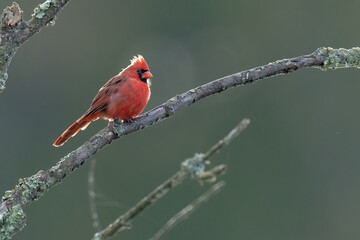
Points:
(102, 99)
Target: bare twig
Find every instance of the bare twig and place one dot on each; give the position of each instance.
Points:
(123, 222)
(33, 187)
(15, 31)
(211, 175)
(92, 196)
(228, 138)
(188, 210)
(187, 170)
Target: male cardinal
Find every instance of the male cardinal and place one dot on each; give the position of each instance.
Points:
(123, 96)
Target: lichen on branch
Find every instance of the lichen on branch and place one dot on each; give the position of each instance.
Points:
(15, 31)
(12, 222)
(339, 58)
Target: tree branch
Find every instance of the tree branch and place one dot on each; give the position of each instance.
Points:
(188, 210)
(33, 187)
(226, 140)
(191, 167)
(14, 31)
(92, 196)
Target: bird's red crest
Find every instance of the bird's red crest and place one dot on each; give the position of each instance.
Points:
(139, 62)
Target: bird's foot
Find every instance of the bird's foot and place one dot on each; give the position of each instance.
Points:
(115, 127)
(111, 126)
(130, 120)
(117, 121)
(114, 122)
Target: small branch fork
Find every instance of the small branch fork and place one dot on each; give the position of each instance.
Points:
(191, 167)
(29, 189)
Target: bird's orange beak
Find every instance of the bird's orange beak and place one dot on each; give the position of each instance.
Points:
(146, 75)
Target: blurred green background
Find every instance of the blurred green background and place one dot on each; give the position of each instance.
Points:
(293, 174)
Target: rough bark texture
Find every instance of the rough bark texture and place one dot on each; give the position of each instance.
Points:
(14, 31)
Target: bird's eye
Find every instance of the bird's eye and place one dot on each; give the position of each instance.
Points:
(141, 71)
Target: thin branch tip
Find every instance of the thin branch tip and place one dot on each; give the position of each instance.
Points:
(235, 132)
(188, 210)
(211, 175)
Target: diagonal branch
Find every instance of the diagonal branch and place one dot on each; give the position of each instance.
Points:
(191, 167)
(188, 210)
(33, 187)
(14, 31)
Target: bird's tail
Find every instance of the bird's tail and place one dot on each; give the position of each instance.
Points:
(80, 124)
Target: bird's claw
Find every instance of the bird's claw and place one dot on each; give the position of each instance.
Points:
(117, 121)
(131, 120)
(112, 123)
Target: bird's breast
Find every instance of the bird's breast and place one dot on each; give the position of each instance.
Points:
(129, 101)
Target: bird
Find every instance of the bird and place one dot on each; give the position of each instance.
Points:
(124, 97)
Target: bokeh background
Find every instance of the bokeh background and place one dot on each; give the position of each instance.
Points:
(293, 174)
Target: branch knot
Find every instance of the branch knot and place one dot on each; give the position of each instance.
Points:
(11, 15)
(194, 165)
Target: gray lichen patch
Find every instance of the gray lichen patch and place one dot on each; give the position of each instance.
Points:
(3, 78)
(27, 190)
(195, 165)
(6, 54)
(40, 10)
(339, 58)
(11, 221)
(32, 188)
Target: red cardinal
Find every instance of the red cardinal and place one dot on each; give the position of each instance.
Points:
(123, 96)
